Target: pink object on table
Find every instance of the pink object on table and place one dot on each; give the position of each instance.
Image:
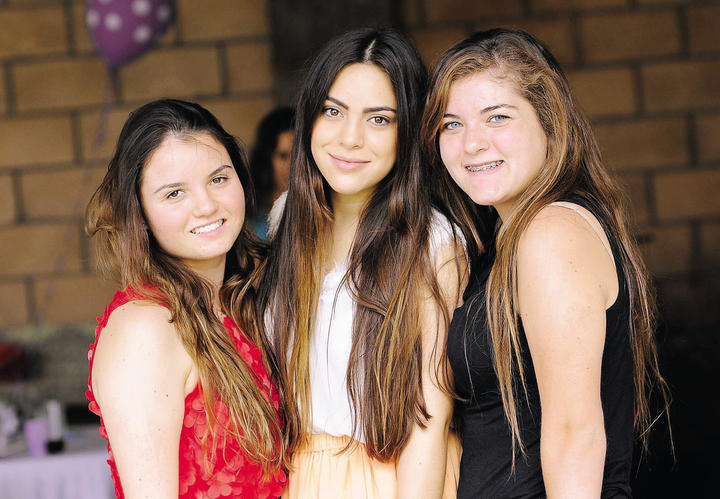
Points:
(37, 432)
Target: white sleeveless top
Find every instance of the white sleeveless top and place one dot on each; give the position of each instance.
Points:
(331, 340)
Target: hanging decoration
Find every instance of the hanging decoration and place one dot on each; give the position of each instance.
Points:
(124, 30)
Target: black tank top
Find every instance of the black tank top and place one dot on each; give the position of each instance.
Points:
(485, 468)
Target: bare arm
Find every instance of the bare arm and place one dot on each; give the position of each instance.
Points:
(421, 466)
(566, 280)
(140, 373)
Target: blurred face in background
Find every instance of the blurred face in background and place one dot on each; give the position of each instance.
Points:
(281, 160)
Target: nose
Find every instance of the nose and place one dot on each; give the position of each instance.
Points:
(351, 133)
(205, 203)
(476, 138)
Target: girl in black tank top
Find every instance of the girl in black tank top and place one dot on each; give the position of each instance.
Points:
(487, 455)
(553, 349)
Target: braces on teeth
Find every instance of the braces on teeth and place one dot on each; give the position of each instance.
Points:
(483, 167)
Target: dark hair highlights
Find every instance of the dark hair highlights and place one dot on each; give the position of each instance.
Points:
(128, 251)
(573, 167)
(390, 272)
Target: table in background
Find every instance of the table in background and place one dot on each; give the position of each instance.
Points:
(79, 472)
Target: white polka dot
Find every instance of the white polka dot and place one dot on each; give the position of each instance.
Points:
(163, 13)
(113, 21)
(92, 18)
(142, 34)
(141, 8)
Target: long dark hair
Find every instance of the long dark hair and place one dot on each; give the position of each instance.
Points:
(277, 121)
(573, 167)
(128, 251)
(390, 272)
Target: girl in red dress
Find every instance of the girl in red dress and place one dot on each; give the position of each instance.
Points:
(188, 402)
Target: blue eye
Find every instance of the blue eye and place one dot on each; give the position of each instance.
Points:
(498, 118)
(451, 125)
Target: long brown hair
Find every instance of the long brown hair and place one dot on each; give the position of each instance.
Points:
(390, 272)
(573, 166)
(128, 251)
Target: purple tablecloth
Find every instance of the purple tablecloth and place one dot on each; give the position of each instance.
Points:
(79, 472)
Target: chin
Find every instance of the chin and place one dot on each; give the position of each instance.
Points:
(346, 188)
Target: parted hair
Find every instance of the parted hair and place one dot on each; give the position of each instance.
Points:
(128, 252)
(390, 272)
(573, 167)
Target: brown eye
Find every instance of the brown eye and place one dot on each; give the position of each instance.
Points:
(332, 112)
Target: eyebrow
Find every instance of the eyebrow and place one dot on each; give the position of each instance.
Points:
(180, 184)
(218, 170)
(366, 110)
(488, 109)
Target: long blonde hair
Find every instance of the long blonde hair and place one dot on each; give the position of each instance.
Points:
(573, 166)
(128, 252)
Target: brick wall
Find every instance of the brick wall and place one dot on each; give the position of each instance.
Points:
(647, 72)
(52, 87)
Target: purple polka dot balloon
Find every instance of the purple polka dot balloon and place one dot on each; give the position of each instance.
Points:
(125, 29)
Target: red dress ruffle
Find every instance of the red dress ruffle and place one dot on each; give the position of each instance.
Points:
(230, 473)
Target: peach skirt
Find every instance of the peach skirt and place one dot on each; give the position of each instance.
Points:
(321, 471)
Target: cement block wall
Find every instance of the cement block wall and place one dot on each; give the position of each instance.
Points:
(52, 88)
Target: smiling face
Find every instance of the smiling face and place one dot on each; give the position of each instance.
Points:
(354, 139)
(193, 200)
(491, 140)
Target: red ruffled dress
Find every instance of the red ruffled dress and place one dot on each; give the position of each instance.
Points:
(231, 473)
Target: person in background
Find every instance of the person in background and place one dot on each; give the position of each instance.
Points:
(270, 162)
(360, 279)
(187, 395)
(553, 350)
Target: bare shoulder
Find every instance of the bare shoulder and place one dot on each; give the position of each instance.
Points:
(557, 230)
(139, 323)
(447, 245)
(139, 341)
(451, 269)
(563, 245)
(140, 378)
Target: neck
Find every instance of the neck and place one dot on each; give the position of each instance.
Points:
(503, 211)
(212, 271)
(346, 210)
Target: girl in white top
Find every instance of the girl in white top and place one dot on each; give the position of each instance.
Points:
(361, 279)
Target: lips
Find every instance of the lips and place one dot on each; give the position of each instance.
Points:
(347, 163)
(483, 167)
(209, 227)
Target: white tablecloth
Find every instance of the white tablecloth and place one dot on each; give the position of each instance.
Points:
(79, 472)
